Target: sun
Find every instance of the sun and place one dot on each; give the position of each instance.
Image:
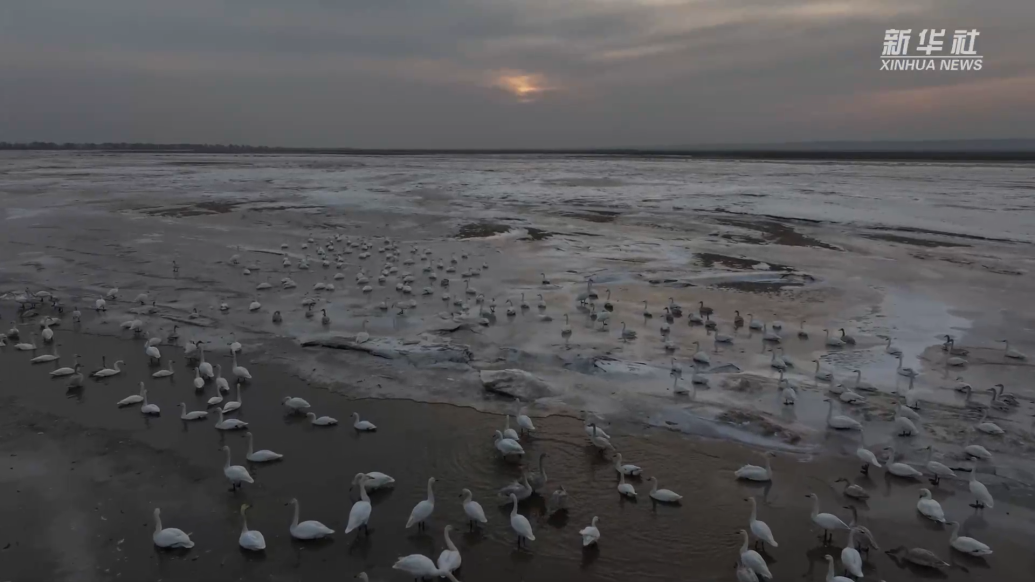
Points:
(524, 86)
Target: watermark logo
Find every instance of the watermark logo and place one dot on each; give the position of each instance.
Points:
(929, 52)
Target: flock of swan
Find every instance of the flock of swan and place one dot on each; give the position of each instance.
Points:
(508, 441)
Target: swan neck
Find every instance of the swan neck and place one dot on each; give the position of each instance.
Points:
(294, 522)
(744, 546)
(754, 509)
(815, 506)
(449, 542)
(158, 522)
(251, 444)
(226, 449)
(431, 492)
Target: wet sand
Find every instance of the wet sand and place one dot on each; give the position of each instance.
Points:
(82, 477)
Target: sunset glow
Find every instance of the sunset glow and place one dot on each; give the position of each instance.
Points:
(525, 86)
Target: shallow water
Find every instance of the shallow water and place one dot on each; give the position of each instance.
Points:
(83, 476)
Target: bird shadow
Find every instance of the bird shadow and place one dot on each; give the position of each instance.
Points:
(558, 519)
(590, 555)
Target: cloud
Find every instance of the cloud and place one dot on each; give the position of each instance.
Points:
(492, 73)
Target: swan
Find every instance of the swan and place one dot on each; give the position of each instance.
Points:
(695, 319)
(135, 398)
(233, 404)
(277, 318)
(558, 501)
(520, 488)
(630, 470)
(524, 422)
(362, 425)
(753, 559)
(263, 456)
(307, 530)
(164, 373)
(756, 473)
(362, 336)
(108, 372)
(538, 478)
(1009, 399)
(152, 352)
(627, 334)
(520, 523)
(699, 356)
(359, 515)
(982, 498)
(905, 426)
(473, 509)
(907, 371)
(169, 537)
(321, 421)
(900, 469)
(53, 355)
(295, 404)
(919, 556)
(598, 441)
(509, 432)
(24, 346)
(760, 528)
(977, 452)
(891, 349)
(788, 394)
(847, 338)
(929, 507)
(865, 455)
(850, 557)
(542, 302)
(849, 397)
(1011, 353)
(240, 372)
(205, 367)
(76, 380)
(852, 490)
(802, 334)
(506, 446)
(996, 403)
(937, 468)
(590, 535)
(254, 306)
(624, 488)
(833, 342)
(968, 403)
(745, 574)
(199, 382)
(66, 371)
(831, 576)
(422, 511)
(988, 427)
(449, 560)
(221, 384)
(965, 544)
(840, 422)
(419, 566)
(250, 539)
(770, 336)
(776, 362)
(190, 350)
(827, 521)
(194, 415)
(662, 495)
(236, 474)
(825, 375)
(228, 423)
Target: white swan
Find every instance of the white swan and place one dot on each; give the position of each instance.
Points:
(261, 456)
(598, 441)
(825, 375)
(449, 560)
(982, 498)
(359, 515)
(228, 423)
(520, 523)
(828, 522)
(929, 507)
(524, 422)
(756, 473)
(295, 404)
(624, 488)
(988, 427)
(1012, 353)
(147, 408)
(753, 323)
(193, 415)
(906, 371)
(852, 490)
(890, 349)
(135, 398)
(221, 383)
(236, 474)
(699, 356)
(833, 342)
(840, 422)
(630, 470)
(362, 425)
(152, 352)
(250, 539)
(418, 565)
(662, 495)
(506, 446)
(422, 511)
(472, 509)
(967, 545)
(169, 537)
(216, 400)
(53, 355)
(590, 534)
(831, 576)
(108, 372)
(205, 367)
(233, 404)
(199, 382)
(509, 432)
(760, 528)
(322, 420)
(164, 373)
(307, 530)
(753, 559)
(377, 480)
(521, 488)
(938, 469)
(900, 469)
(849, 397)
(240, 372)
(865, 455)
(905, 426)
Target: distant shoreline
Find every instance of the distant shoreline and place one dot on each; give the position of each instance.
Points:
(935, 155)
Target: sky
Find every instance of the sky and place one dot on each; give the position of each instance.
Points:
(504, 73)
